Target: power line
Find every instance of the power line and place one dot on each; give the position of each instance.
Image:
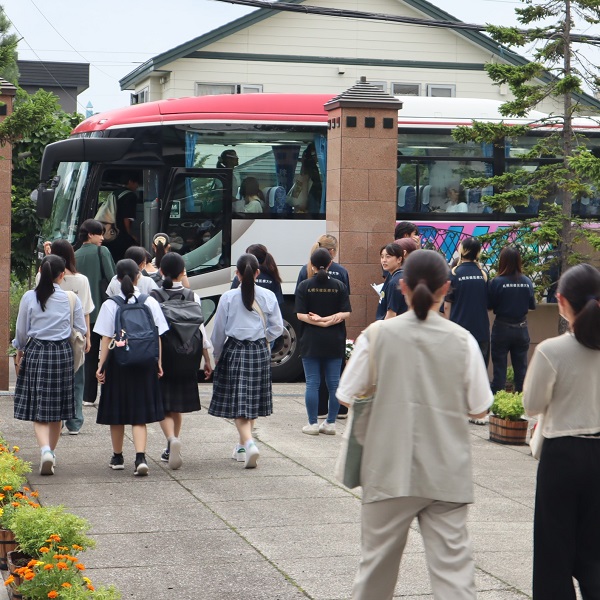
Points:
(357, 14)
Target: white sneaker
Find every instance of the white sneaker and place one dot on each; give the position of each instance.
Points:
(311, 429)
(252, 454)
(175, 461)
(89, 404)
(47, 463)
(239, 453)
(483, 421)
(327, 428)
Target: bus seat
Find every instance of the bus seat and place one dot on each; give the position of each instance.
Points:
(424, 195)
(407, 198)
(275, 198)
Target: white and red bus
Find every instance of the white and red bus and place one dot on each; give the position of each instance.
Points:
(174, 146)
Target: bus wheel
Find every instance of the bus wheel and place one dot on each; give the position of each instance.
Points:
(286, 363)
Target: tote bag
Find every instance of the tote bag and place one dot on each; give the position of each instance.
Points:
(76, 339)
(347, 468)
(537, 439)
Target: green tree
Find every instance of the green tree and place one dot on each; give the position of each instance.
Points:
(558, 72)
(8, 50)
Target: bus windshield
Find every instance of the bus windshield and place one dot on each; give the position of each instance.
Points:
(64, 222)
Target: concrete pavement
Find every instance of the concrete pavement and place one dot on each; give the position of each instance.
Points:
(284, 531)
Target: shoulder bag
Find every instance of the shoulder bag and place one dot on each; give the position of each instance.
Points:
(76, 339)
(347, 468)
(103, 279)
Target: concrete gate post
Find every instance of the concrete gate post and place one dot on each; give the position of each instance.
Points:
(362, 147)
(7, 94)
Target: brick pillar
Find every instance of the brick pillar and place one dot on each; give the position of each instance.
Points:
(361, 188)
(7, 94)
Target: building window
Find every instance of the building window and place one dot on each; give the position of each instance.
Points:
(382, 85)
(441, 91)
(141, 97)
(406, 89)
(212, 89)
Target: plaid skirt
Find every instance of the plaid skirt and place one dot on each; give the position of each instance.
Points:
(242, 381)
(44, 389)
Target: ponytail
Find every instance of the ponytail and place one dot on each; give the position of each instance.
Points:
(580, 286)
(127, 273)
(265, 260)
(320, 260)
(172, 266)
(247, 265)
(160, 241)
(50, 269)
(425, 272)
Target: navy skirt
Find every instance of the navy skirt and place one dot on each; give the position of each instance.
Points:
(44, 389)
(242, 381)
(130, 395)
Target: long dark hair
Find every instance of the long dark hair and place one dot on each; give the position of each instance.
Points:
(137, 254)
(89, 227)
(580, 285)
(52, 266)
(265, 260)
(161, 242)
(320, 259)
(171, 266)
(510, 263)
(247, 265)
(425, 272)
(64, 249)
(127, 272)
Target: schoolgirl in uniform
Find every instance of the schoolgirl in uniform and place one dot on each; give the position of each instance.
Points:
(391, 299)
(179, 390)
(145, 283)
(511, 297)
(269, 277)
(161, 244)
(129, 396)
(247, 319)
(322, 304)
(45, 377)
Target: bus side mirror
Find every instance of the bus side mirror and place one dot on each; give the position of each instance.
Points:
(44, 199)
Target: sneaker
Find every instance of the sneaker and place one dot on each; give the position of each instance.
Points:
(73, 432)
(141, 468)
(327, 428)
(175, 461)
(483, 421)
(47, 463)
(252, 453)
(311, 429)
(239, 453)
(165, 455)
(89, 403)
(342, 417)
(116, 462)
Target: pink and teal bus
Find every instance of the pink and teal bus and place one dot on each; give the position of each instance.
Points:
(188, 190)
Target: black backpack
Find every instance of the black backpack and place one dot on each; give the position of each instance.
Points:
(182, 344)
(135, 343)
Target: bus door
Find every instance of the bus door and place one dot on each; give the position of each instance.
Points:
(196, 215)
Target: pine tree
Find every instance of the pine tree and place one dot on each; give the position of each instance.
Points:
(8, 50)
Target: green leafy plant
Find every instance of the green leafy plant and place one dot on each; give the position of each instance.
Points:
(85, 593)
(508, 405)
(33, 526)
(13, 472)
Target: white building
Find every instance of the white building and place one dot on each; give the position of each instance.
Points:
(274, 51)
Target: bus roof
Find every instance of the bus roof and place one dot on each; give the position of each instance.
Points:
(299, 109)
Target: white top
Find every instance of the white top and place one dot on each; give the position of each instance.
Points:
(460, 207)
(563, 381)
(105, 324)
(79, 284)
(417, 440)
(254, 206)
(145, 284)
(232, 319)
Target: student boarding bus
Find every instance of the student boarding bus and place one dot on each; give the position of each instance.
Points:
(196, 158)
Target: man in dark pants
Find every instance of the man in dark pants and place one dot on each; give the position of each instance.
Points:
(126, 213)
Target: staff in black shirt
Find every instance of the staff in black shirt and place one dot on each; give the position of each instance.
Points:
(269, 277)
(322, 305)
(511, 297)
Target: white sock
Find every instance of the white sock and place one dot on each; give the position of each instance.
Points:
(249, 443)
(45, 449)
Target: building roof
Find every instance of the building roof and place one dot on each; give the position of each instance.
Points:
(423, 6)
(50, 74)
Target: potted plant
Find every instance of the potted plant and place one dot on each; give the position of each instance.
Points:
(510, 379)
(507, 425)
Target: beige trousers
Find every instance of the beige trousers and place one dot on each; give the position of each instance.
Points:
(384, 531)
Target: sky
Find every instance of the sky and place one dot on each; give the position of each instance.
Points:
(115, 36)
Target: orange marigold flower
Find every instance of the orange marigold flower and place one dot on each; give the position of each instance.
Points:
(15, 504)
(8, 488)
(53, 594)
(61, 566)
(66, 584)
(9, 580)
(48, 567)
(76, 547)
(26, 489)
(55, 538)
(1, 496)
(29, 575)
(90, 587)
(19, 495)
(21, 570)
(80, 567)
(35, 494)
(43, 549)
(32, 563)
(63, 548)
